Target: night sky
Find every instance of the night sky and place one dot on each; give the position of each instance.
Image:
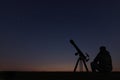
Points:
(34, 35)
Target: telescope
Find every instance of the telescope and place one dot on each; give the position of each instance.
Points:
(82, 58)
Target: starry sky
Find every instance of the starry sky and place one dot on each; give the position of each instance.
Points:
(35, 34)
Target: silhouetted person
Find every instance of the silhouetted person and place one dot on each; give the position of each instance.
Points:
(102, 62)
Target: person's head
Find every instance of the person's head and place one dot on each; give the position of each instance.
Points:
(102, 48)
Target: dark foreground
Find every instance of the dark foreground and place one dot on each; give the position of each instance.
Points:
(58, 76)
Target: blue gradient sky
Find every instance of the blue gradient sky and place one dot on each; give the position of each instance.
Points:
(34, 35)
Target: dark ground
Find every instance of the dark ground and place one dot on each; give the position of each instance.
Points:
(14, 75)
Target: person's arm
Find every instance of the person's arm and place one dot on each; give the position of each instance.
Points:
(97, 58)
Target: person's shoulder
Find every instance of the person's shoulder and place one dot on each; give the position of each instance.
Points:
(107, 53)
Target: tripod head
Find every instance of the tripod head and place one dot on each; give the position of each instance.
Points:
(86, 55)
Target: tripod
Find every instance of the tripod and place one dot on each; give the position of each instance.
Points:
(81, 63)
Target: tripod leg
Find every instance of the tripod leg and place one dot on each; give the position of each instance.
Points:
(81, 65)
(85, 66)
(76, 65)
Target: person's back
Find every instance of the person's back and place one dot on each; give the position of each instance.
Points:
(105, 61)
(102, 62)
